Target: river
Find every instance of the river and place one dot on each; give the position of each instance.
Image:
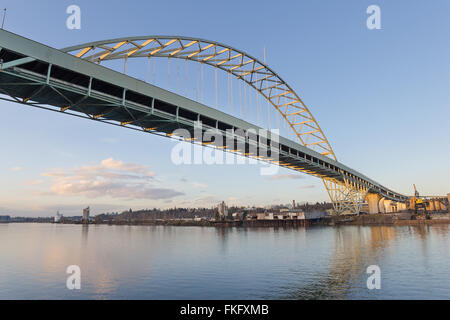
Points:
(167, 262)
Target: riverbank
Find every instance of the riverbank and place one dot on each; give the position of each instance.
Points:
(205, 223)
(393, 219)
(401, 219)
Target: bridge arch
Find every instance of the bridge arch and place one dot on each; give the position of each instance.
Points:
(40, 76)
(236, 62)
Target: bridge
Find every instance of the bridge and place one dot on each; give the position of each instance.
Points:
(73, 81)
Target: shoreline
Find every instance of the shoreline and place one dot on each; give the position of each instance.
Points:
(394, 219)
(397, 219)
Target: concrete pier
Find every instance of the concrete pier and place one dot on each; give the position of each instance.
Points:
(381, 208)
(412, 203)
(448, 199)
(437, 205)
(448, 206)
(387, 206)
(430, 206)
(378, 204)
(372, 200)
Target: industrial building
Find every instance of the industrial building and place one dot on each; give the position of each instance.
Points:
(58, 217)
(287, 215)
(86, 213)
(223, 210)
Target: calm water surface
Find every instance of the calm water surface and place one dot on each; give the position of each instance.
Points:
(155, 262)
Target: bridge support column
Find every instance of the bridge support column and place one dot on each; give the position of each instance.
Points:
(381, 208)
(430, 206)
(412, 203)
(394, 206)
(448, 205)
(372, 200)
(387, 206)
(401, 206)
(437, 205)
(346, 197)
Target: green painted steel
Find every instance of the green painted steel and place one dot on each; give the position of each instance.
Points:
(33, 74)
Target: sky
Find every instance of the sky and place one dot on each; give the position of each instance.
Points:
(380, 96)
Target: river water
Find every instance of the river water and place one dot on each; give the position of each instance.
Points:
(157, 262)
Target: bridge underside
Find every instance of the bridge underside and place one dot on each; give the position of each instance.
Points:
(43, 77)
(140, 113)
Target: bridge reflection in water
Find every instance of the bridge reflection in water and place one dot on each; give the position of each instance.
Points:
(224, 263)
(356, 248)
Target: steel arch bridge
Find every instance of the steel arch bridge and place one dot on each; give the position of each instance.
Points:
(71, 81)
(238, 63)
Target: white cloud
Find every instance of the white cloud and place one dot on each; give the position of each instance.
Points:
(16, 169)
(35, 182)
(308, 187)
(286, 176)
(112, 178)
(199, 185)
(195, 184)
(109, 140)
(204, 201)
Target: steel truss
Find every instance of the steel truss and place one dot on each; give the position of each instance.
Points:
(238, 63)
(255, 73)
(346, 197)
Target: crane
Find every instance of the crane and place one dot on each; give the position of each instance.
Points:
(419, 203)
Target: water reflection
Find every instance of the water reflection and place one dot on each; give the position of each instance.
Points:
(84, 235)
(222, 236)
(155, 262)
(354, 249)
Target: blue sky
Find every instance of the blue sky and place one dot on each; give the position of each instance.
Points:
(381, 96)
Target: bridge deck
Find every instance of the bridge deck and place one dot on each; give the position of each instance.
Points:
(41, 76)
